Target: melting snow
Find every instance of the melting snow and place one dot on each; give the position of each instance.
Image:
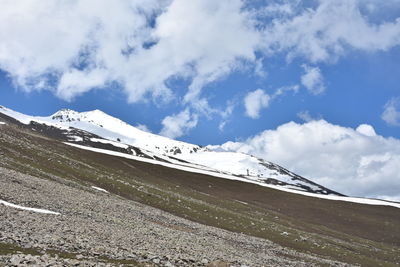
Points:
(100, 189)
(231, 177)
(26, 208)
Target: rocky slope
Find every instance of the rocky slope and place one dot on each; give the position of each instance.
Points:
(96, 226)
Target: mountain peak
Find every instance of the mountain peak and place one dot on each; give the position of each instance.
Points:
(65, 111)
(96, 111)
(64, 114)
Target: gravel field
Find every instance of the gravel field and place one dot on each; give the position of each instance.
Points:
(95, 228)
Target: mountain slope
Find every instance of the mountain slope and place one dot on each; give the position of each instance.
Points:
(41, 172)
(97, 129)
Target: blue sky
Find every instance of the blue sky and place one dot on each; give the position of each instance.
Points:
(210, 72)
(357, 88)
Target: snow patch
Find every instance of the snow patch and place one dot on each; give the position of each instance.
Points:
(2, 123)
(26, 208)
(242, 202)
(100, 189)
(75, 138)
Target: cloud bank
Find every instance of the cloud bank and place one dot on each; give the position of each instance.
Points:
(328, 29)
(71, 47)
(356, 162)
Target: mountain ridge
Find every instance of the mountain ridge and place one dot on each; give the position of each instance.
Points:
(98, 129)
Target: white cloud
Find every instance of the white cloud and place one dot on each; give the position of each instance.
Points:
(143, 128)
(391, 113)
(70, 47)
(280, 91)
(355, 162)
(313, 80)
(226, 114)
(75, 82)
(273, 9)
(306, 116)
(254, 102)
(366, 130)
(73, 47)
(177, 125)
(259, 69)
(327, 31)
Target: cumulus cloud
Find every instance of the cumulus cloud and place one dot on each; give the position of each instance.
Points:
(254, 102)
(391, 113)
(313, 80)
(177, 125)
(71, 47)
(366, 130)
(356, 162)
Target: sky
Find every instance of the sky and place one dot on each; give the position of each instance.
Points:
(312, 85)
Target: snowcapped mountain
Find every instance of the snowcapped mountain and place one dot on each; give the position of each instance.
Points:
(108, 127)
(99, 130)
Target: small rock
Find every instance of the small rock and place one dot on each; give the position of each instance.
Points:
(15, 260)
(168, 264)
(204, 261)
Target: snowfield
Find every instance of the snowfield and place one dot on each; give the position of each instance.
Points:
(231, 177)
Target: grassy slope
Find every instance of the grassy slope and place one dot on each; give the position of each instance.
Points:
(353, 233)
